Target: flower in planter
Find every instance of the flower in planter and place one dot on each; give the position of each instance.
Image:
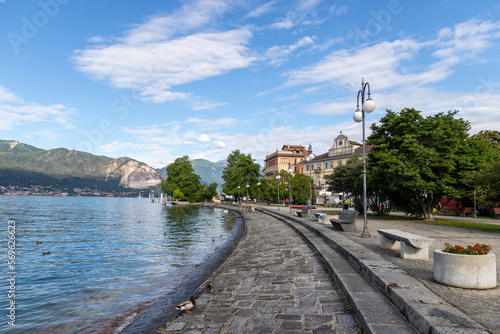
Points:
(477, 249)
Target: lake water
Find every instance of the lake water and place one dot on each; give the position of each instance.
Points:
(111, 261)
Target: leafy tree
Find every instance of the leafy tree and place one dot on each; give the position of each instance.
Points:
(484, 149)
(300, 189)
(491, 136)
(181, 176)
(241, 170)
(416, 159)
(178, 195)
(348, 179)
(264, 189)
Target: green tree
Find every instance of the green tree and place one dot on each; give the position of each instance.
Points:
(300, 189)
(416, 159)
(241, 170)
(484, 148)
(181, 176)
(178, 195)
(348, 179)
(264, 190)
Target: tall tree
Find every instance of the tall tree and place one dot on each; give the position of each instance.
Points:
(181, 176)
(484, 148)
(300, 189)
(416, 159)
(348, 179)
(241, 170)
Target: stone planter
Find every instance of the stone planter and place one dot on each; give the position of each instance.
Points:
(465, 271)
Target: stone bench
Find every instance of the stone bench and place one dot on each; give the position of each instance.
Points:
(320, 216)
(413, 246)
(302, 212)
(346, 221)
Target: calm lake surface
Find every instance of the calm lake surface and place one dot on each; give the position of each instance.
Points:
(110, 259)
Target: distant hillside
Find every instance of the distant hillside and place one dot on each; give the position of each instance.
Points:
(208, 171)
(25, 165)
(15, 146)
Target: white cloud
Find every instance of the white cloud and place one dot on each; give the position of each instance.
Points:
(279, 54)
(204, 137)
(390, 64)
(262, 10)
(381, 62)
(7, 96)
(162, 53)
(213, 124)
(191, 16)
(153, 130)
(46, 133)
(15, 112)
(220, 144)
(339, 9)
(465, 40)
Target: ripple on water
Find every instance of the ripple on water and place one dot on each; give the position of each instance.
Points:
(105, 268)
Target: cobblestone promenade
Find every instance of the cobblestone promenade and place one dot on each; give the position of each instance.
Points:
(273, 283)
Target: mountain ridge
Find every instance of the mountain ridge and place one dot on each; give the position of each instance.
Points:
(207, 170)
(72, 168)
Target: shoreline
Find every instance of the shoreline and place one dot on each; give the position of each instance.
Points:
(162, 310)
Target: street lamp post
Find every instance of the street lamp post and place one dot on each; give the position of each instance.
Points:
(239, 199)
(278, 178)
(258, 184)
(247, 193)
(359, 115)
(309, 159)
(290, 186)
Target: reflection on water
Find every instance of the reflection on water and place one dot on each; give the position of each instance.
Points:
(108, 257)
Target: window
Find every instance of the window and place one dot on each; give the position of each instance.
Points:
(326, 165)
(331, 164)
(340, 142)
(340, 163)
(307, 168)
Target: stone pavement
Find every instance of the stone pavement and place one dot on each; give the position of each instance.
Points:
(480, 305)
(273, 283)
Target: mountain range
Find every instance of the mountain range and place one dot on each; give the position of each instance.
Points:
(208, 171)
(25, 166)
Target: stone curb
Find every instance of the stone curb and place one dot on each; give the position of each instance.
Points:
(424, 309)
(371, 308)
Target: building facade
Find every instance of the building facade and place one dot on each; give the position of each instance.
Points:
(280, 160)
(341, 151)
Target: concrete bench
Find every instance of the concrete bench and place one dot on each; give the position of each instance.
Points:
(346, 221)
(302, 212)
(319, 216)
(413, 246)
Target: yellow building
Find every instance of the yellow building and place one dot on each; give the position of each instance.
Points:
(325, 163)
(280, 160)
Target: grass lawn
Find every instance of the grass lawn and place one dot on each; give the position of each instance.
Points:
(477, 226)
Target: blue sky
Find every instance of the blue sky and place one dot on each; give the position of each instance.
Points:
(155, 80)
